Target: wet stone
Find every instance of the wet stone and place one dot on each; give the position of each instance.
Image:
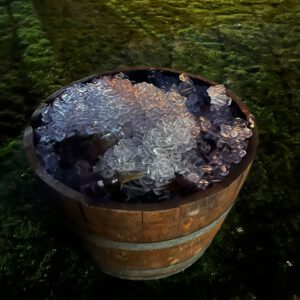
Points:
(118, 140)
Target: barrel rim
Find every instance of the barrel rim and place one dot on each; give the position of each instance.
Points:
(71, 194)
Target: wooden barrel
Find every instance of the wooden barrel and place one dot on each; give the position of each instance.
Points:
(146, 241)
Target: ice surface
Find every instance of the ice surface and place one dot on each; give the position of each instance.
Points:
(176, 127)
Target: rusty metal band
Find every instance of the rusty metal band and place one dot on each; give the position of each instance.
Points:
(104, 243)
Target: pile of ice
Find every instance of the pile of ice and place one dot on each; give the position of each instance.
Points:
(156, 134)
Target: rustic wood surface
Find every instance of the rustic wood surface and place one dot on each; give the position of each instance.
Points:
(151, 259)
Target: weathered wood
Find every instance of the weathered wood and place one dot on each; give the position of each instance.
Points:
(152, 255)
(199, 213)
(107, 243)
(119, 225)
(146, 241)
(161, 225)
(151, 259)
(150, 274)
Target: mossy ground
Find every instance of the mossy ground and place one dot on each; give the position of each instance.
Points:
(251, 46)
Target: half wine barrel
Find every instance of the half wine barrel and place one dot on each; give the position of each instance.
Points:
(147, 240)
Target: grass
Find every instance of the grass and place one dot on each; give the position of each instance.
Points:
(251, 46)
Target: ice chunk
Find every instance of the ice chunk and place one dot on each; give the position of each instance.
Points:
(218, 97)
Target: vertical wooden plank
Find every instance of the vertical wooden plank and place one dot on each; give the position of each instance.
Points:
(117, 225)
(200, 213)
(160, 225)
